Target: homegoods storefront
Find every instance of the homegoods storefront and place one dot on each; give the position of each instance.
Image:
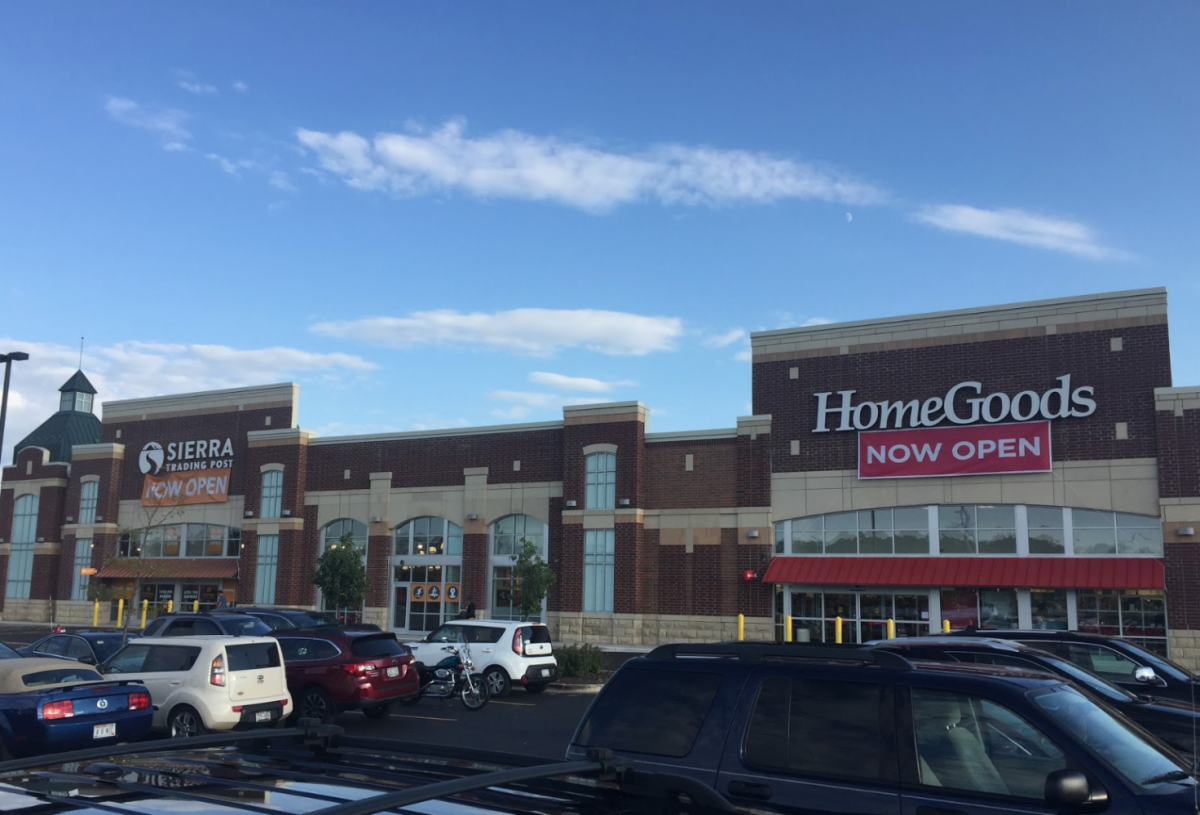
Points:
(998, 467)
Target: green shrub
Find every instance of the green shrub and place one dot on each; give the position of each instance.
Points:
(579, 660)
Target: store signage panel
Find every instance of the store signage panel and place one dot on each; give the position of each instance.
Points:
(949, 451)
(181, 489)
(186, 472)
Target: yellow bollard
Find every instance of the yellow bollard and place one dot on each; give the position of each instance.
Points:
(195, 606)
(891, 629)
(787, 629)
(945, 626)
(837, 632)
(121, 612)
(170, 606)
(96, 614)
(741, 627)
(145, 608)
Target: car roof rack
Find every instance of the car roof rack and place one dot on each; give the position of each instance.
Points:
(764, 651)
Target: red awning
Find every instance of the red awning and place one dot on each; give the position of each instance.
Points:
(1023, 572)
(182, 568)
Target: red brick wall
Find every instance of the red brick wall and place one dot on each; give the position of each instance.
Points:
(628, 554)
(66, 568)
(248, 568)
(6, 514)
(475, 570)
(298, 553)
(554, 554)
(1182, 568)
(45, 576)
(1124, 385)
(674, 578)
(379, 570)
(754, 470)
(51, 512)
(234, 425)
(437, 461)
(108, 499)
(711, 483)
(1178, 454)
(570, 569)
(294, 458)
(629, 437)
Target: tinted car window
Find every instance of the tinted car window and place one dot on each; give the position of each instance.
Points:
(535, 633)
(243, 627)
(447, 633)
(253, 656)
(55, 646)
(484, 633)
(369, 647)
(298, 619)
(816, 727)
(653, 712)
(171, 658)
(1102, 661)
(8, 653)
(154, 626)
(129, 660)
(59, 675)
(78, 649)
(105, 646)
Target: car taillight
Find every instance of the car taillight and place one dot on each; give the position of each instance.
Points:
(216, 675)
(58, 710)
(356, 668)
(518, 643)
(139, 700)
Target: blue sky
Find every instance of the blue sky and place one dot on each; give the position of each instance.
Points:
(471, 214)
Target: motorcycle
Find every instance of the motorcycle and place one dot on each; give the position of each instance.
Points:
(452, 676)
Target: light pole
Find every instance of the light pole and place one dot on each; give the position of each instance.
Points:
(8, 359)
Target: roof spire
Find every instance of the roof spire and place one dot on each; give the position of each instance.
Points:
(81, 353)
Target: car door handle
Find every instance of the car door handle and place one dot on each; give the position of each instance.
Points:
(173, 684)
(939, 811)
(760, 792)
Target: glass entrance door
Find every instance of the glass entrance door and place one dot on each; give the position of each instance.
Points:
(425, 595)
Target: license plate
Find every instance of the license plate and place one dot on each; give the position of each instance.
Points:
(545, 671)
(393, 672)
(262, 716)
(104, 731)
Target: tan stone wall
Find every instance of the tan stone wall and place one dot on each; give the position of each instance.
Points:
(377, 616)
(651, 629)
(1184, 647)
(35, 611)
(79, 612)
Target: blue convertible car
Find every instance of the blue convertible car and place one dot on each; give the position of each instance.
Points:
(54, 705)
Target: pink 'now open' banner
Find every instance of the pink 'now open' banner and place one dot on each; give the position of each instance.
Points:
(1022, 447)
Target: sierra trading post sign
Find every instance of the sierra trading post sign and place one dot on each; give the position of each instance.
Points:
(986, 434)
(187, 472)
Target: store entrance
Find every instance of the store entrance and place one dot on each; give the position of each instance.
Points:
(424, 596)
(864, 615)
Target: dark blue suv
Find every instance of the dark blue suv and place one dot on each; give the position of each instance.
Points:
(855, 730)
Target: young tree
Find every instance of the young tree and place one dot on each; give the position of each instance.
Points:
(533, 577)
(341, 576)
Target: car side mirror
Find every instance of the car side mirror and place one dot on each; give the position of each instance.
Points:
(88, 660)
(1145, 675)
(1067, 789)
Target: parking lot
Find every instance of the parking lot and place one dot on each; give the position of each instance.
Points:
(521, 723)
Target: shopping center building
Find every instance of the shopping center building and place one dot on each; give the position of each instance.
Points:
(1027, 465)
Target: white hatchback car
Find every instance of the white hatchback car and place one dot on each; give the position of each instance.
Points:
(505, 652)
(199, 684)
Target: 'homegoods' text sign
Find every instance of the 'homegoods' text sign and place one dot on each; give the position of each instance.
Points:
(973, 450)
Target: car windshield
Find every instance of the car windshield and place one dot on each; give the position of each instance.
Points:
(8, 653)
(105, 646)
(1140, 762)
(302, 619)
(1090, 681)
(58, 676)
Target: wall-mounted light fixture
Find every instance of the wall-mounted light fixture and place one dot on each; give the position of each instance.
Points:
(99, 518)
(376, 519)
(249, 513)
(41, 540)
(1186, 530)
(752, 533)
(287, 513)
(70, 518)
(571, 503)
(623, 502)
(471, 516)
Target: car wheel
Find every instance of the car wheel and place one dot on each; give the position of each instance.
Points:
(185, 723)
(497, 682)
(537, 687)
(377, 711)
(316, 704)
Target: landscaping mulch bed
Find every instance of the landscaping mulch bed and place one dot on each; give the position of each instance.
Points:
(591, 679)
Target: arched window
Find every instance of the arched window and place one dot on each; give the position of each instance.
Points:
(428, 536)
(601, 490)
(339, 533)
(508, 538)
(24, 535)
(87, 501)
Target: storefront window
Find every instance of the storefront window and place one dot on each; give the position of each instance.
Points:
(1046, 531)
(1139, 615)
(998, 608)
(912, 530)
(428, 536)
(1106, 533)
(182, 540)
(868, 532)
(985, 529)
(1049, 609)
(864, 615)
(960, 607)
(807, 534)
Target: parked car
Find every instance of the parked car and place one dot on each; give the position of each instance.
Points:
(330, 671)
(505, 652)
(203, 683)
(284, 619)
(8, 653)
(55, 705)
(1120, 661)
(205, 624)
(88, 647)
(1176, 723)
(843, 729)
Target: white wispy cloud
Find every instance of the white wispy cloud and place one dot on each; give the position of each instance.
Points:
(129, 370)
(280, 181)
(240, 86)
(1020, 226)
(533, 331)
(811, 321)
(722, 340)
(166, 122)
(513, 164)
(524, 403)
(233, 166)
(437, 423)
(188, 81)
(581, 384)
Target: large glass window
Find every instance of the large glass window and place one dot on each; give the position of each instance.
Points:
(425, 595)
(599, 564)
(510, 533)
(266, 570)
(1099, 532)
(817, 728)
(902, 531)
(984, 529)
(1139, 615)
(182, 540)
(864, 615)
(24, 537)
(428, 536)
(1049, 609)
(983, 608)
(87, 501)
(1046, 536)
(601, 489)
(338, 533)
(83, 560)
(272, 493)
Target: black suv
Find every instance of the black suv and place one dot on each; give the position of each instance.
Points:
(842, 729)
(1176, 723)
(1119, 661)
(198, 624)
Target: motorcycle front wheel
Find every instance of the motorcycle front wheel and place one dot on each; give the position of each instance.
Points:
(475, 695)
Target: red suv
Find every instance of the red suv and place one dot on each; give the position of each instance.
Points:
(330, 671)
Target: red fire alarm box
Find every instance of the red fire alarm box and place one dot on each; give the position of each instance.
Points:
(749, 574)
